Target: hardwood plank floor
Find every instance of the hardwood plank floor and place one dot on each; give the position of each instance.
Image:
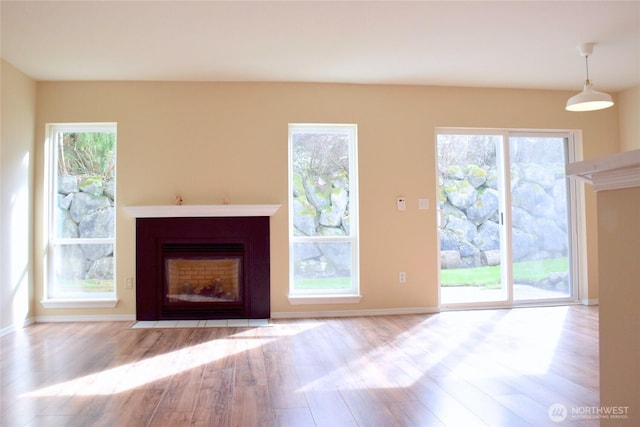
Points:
(461, 368)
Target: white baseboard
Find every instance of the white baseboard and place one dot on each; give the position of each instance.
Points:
(10, 329)
(87, 318)
(586, 301)
(352, 313)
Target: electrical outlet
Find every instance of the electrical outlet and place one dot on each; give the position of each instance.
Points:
(402, 277)
(128, 283)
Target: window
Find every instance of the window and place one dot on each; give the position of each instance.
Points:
(323, 212)
(81, 166)
(508, 217)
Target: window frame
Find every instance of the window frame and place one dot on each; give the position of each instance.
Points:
(329, 296)
(85, 299)
(576, 215)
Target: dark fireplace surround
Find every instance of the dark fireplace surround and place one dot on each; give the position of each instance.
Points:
(157, 240)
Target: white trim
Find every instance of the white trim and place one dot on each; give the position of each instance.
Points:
(13, 328)
(620, 170)
(324, 299)
(301, 297)
(353, 313)
(589, 302)
(87, 318)
(206, 211)
(79, 303)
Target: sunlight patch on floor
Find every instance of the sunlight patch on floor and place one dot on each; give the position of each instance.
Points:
(132, 375)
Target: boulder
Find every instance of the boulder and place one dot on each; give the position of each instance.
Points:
(544, 176)
(64, 201)
(67, 227)
(97, 223)
(524, 245)
(94, 252)
(467, 249)
(110, 189)
(67, 184)
(101, 269)
(488, 237)
(533, 199)
(304, 218)
(465, 229)
(476, 175)
(74, 262)
(305, 251)
(331, 215)
(317, 192)
(85, 203)
(92, 185)
(454, 172)
(448, 240)
(522, 220)
(485, 206)
(338, 255)
(460, 193)
(553, 239)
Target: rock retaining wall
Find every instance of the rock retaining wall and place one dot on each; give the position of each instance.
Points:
(470, 214)
(86, 210)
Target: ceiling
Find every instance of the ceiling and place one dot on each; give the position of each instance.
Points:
(512, 44)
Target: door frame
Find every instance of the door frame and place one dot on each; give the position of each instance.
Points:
(576, 214)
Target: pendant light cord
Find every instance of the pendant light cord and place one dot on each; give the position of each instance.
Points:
(586, 62)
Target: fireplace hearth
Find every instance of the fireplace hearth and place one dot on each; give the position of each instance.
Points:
(202, 268)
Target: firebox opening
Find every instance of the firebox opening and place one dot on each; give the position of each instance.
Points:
(202, 279)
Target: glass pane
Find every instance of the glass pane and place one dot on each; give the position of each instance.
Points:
(322, 265)
(540, 247)
(84, 186)
(469, 219)
(320, 184)
(82, 269)
(197, 280)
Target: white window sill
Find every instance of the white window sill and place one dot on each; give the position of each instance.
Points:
(324, 299)
(80, 303)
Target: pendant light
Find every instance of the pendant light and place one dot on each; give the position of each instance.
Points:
(589, 99)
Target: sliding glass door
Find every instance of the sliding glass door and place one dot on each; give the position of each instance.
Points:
(540, 232)
(504, 218)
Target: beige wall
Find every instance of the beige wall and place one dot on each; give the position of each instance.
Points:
(18, 105)
(629, 107)
(210, 141)
(619, 242)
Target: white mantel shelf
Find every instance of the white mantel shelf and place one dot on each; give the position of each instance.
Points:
(203, 211)
(621, 170)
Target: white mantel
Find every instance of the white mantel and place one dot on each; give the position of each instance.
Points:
(204, 211)
(620, 170)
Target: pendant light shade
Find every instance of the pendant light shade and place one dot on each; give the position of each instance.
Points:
(589, 99)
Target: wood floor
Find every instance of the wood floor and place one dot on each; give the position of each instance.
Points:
(464, 368)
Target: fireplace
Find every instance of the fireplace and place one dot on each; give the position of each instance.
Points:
(202, 268)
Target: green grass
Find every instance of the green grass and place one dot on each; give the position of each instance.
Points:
(490, 276)
(325, 283)
(88, 285)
